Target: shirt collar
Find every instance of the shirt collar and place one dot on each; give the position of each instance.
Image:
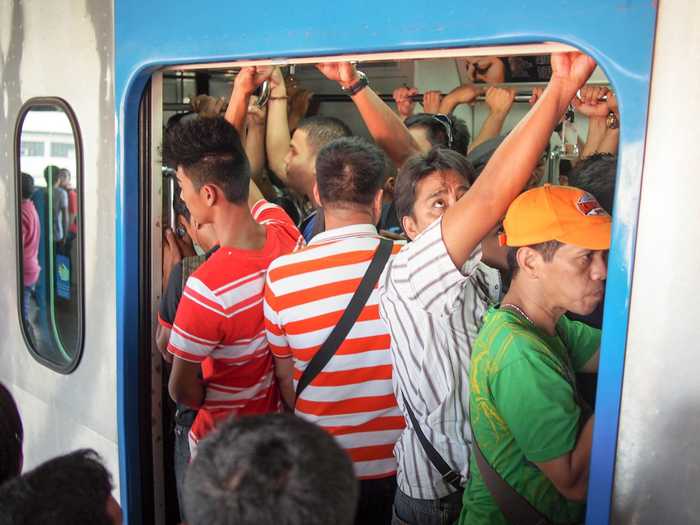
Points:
(354, 230)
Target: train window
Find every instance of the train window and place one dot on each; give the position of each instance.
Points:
(49, 232)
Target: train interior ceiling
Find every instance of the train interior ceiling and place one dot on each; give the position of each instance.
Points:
(178, 87)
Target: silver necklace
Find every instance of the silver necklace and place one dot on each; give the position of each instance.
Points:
(519, 310)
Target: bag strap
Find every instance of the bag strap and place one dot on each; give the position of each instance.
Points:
(449, 475)
(352, 312)
(516, 509)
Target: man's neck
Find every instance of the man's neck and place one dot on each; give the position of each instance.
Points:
(534, 305)
(236, 228)
(340, 217)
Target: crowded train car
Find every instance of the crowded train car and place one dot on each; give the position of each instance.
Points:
(121, 335)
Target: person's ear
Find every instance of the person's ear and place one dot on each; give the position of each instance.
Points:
(317, 197)
(209, 193)
(377, 206)
(409, 226)
(389, 185)
(529, 261)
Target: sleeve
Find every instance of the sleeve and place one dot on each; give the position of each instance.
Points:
(171, 297)
(538, 406)
(274, 329)
(434, 280)
(64, 200)
(196, 331)
(265, 212)
(582, 341)
(73, 202)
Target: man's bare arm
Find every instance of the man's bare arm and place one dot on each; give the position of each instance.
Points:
(185, 386)
(499, 101)
(284, 371)
(466, 223)
(277, 134)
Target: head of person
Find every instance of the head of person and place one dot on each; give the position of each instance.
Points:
(64, 178)
(51, 174)
(596, 175)
(438, 130)
(263, 470)
(74, 488)
(203, 235)
(11, 437)
(308, 139)
(487, 70)
(27, 185)
(558, 237)
(427, 185)
(480, 156)
(212, 167)
(349, 176)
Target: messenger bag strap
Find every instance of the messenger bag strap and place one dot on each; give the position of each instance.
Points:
(352, 312)
(448, 474)
(516, 509)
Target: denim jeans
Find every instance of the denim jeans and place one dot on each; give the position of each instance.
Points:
(376, 497)
(412, 511)
(181, 460)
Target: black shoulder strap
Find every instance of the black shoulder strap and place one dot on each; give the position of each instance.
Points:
(516, 509)
(352, 312)
(448, 474)
(189, 265)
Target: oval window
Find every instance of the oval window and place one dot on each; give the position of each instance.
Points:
(50, 262)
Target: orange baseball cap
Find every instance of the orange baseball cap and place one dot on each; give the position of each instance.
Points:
(557, 213)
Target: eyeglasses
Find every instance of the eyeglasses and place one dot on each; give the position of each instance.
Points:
(446, 122)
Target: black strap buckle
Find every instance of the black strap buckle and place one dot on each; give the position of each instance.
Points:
(451, 478)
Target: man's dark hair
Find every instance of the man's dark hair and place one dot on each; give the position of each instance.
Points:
(418, 167)
(73, 488)
(27, 185)
(51, 174)
(437, 133)
(349, 172)
(596, 175)
(210, 151)
(547, 249)
(11, 436)
(275, 469)
(321, 130)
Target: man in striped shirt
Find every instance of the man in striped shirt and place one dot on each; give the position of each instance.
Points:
(432, 295)
(306, 295)
(218, 328)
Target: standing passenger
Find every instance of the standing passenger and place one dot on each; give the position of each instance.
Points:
(219, 327)
(31, 233)
(306, 295)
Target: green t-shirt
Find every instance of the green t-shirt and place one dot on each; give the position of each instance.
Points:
(523, 410)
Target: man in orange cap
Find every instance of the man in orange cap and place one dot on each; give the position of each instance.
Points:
(527, 419)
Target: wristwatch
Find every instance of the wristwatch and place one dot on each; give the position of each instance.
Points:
(611, 121)
(357, 86)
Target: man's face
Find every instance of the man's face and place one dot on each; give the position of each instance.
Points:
(193, 198)
(434, 194)
(575, 278)
(300, 163)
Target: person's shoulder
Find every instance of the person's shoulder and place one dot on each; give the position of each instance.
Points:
(505, 336)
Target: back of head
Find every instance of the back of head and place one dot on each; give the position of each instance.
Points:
(445, 131)
(210, 152)
(418, 167)
(321, 130)
(596, 175)
(11, 436)
(27, 185)
(74, 488)
(51, 174)
(349, 172)
(274, 469)
(480, 155)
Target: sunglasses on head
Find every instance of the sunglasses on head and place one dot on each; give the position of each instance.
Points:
(446, 122)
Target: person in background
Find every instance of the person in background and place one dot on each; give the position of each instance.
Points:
(31, 238)
(64, 181)
(74, 488)
(265, 470)
(11, 437)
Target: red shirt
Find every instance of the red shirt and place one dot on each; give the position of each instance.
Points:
(220, 324)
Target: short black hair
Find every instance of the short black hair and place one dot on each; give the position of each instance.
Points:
(596, 175)
(51, 174)
(210, 151)
(418, 167)
(27, 185)
(436, 131)
(274, 469)
(349, 172)
(11, 436)
(547, 249)
(73, 488)
(321, 130)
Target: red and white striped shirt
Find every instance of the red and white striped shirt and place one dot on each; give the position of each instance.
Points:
(352, 398)
(219, 323)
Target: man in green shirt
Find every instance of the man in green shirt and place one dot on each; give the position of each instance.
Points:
(525, 413)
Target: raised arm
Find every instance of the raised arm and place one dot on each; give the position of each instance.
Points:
(277, 134)
(499, 101)
(466, 223)
(588, 104)
(386, 128)
(246, 82)
(464, 94)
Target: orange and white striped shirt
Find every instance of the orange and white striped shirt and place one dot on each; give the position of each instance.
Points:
(306, 293)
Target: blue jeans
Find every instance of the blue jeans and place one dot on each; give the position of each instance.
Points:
(412, 511)
(182, 459)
